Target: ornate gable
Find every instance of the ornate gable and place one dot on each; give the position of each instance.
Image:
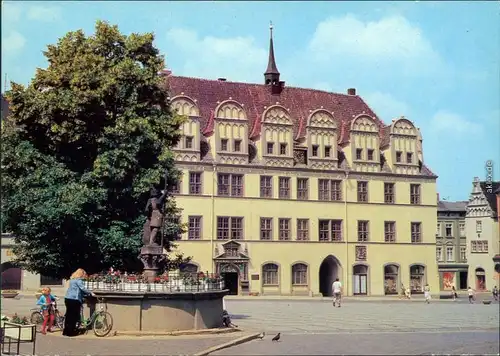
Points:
(478, 205)
(231, 250)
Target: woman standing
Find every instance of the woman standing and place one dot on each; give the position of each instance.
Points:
(427, 293)
(73, 301)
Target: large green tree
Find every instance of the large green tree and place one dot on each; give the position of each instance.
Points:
(83, 144)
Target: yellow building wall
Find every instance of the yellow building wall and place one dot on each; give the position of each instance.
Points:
(312, 252)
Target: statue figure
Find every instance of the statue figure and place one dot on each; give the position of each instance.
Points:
(155, 215)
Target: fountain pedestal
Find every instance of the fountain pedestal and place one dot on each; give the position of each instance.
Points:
(152, 258)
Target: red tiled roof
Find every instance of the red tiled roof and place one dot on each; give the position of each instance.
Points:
(255, 97)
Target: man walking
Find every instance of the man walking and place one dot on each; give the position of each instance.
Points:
(337, 292)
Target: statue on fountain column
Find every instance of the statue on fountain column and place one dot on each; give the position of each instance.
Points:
(155, 216)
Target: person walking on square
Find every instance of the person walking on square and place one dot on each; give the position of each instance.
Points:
(427, 293)
(46, 301)
(453, 293)
(495, 293)
(470, 291)
(337, 292)
(73, 301)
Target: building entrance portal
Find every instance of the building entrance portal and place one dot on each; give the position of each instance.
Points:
(480, 279)
(11, 276)
(328, 272)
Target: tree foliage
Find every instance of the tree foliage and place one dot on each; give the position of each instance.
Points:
(83, 144)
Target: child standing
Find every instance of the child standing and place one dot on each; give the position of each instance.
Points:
(46, 301)
(427, 293)
(453, 293)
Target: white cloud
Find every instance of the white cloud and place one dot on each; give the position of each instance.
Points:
(10, 12)
(45, 14)
(453, 125)
(392, 40)
(386, 106)
(13, 43)
(235, 58)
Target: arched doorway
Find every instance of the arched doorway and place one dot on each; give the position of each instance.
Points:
(360, 280)
(230, 275)
(11, 276)
(417, 279)
(391, 279)
(328, 271)
(480, 279)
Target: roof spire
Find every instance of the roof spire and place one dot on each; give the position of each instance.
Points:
(272, 75)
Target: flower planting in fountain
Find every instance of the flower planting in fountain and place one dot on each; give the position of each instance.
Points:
(168, 282)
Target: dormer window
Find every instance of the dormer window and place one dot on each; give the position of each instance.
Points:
(189, 142)
(237, 145)
(270, 148)
(359, 153)
(370, 155)
(409, 157)
(283, 148)
(328, 151)
(398, 156)
(223, 144)
(314, 152)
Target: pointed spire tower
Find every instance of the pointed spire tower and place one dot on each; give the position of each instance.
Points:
(272, 75)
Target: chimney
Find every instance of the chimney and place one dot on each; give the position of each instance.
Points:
(438, 197)
(351, 91)
(221, 79)
(165, 73)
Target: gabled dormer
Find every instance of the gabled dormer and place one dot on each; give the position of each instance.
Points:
(364, 144)
(321, 139)
(188, 147)
(230, 133)
(276, 138)
(478, 205)
(402, 153)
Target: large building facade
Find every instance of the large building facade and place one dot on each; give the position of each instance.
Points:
(451, 245)
(482, 230)
(285, 189)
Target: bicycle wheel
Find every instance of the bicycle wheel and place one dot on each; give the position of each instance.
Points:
(59, 320)
(103, 323)
(37, 319)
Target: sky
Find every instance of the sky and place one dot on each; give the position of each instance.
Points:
(436, 63)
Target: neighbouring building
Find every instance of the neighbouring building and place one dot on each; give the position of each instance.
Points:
(451, 245)
(285, 189)
(496, 258)
(482, 231)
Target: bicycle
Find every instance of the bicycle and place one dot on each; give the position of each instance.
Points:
(37, 317)
(100, 320)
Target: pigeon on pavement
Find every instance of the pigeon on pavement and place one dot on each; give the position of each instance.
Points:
(261, 335)
(277, 337)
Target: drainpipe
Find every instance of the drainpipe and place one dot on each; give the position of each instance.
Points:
(346, 235)
(214, 169)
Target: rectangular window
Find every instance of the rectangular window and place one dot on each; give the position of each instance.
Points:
(195, 183)
(362, 191)
(189, 142)
(302, 229)
(314, 152)
(439, 254)
(449, 254)
(336, 226)
(230, 185)
(284, 187)
(363, 233)
(194, 227)
(359, 154)
(390, 231)
(237, 145)
(266, 187)
(479, 226)
(415, 194)
(479, 246)
(448, 230)
(438, 231)
(398, 156)
(461, 227)
(416, 232)
(282, 148)
(370, 155)
(270, 148)
(229, 227)
(284, 229)
(328, 151)
(389, 193)
(463, 254)
(223, 144)
(330, 230)
(409, 157)
(329, 190)
(266, 228)
(270, 275)
(302, 189)
(336, 187)
(324, 230)
(323, 189)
